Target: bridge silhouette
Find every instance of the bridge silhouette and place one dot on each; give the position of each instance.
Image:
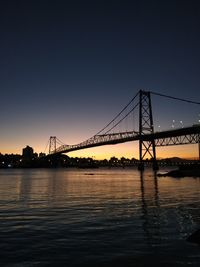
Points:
(145, 134)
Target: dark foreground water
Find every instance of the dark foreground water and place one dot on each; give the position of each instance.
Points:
(97, 218)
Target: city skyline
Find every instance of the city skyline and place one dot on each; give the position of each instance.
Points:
(68, 69)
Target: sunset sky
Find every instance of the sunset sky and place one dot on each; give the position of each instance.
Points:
(68, 67)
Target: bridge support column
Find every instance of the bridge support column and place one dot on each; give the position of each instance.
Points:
(52, 144)
(146, 147)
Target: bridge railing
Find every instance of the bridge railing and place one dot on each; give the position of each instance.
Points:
(97, 140)
(187, 135)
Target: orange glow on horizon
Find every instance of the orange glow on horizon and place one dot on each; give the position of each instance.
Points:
(131, 150)
(127, 150)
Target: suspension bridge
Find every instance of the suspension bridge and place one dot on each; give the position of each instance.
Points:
(145, 134)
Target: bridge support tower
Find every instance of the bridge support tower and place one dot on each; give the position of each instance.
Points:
(52, 144)
(146, 147)
(54, 158)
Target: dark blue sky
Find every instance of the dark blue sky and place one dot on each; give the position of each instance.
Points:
(67, 67)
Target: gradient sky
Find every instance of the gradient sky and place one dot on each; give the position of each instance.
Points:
(68, 67)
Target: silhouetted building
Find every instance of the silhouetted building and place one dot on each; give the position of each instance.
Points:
(27, 153)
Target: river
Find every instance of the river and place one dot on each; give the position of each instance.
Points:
(102, 217)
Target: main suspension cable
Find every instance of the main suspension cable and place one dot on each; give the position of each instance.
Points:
(59, 141)
(117, 115)
(122, 119)
(176, 98)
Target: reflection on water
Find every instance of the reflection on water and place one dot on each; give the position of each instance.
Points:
(101, 218)
(150, 198)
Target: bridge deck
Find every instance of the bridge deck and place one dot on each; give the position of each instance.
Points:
(117, 138)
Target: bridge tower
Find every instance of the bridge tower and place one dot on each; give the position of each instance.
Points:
(52, 144)
(146, 148)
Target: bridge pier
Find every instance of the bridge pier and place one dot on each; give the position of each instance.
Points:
(141, 166)
(155, 166)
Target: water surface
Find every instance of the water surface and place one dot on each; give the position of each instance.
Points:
(103, 217)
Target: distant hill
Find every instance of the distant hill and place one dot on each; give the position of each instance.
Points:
(174, 159)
